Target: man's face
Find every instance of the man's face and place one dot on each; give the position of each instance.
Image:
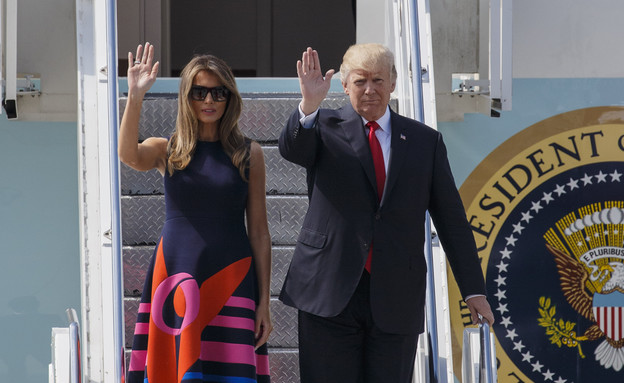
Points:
(369, 91)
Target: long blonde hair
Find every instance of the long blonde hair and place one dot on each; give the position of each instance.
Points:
(184, 139)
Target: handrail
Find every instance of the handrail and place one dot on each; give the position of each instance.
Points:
(432, 317)
(113, 122)
(74, 353)
(486, 373)
(419, 115)
(415, 67)
(479, 355)
(75, 370)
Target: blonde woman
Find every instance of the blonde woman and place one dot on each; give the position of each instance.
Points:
(204, 314)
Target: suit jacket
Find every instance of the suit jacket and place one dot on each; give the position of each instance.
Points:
(345, 217)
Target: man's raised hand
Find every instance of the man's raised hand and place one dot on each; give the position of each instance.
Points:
(314, 86)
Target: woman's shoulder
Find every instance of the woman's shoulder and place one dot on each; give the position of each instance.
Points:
(156, 141)
(158, 144)
(255, 153)
(254, 147)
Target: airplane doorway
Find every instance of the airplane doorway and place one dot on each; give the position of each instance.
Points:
(257, 38)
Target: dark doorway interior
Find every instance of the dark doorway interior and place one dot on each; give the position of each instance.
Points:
(260, 38)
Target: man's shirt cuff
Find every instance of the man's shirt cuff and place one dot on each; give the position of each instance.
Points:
(307, 121)
(472, 296)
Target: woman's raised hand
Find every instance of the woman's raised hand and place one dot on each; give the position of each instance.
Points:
(142, 70)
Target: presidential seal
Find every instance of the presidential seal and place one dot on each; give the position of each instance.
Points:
(547, 212)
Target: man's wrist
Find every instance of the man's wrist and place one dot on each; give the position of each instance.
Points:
(307, 121)
(473, 296)
(307, 109)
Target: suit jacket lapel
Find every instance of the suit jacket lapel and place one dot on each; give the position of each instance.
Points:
(354, 131)
(398, 151)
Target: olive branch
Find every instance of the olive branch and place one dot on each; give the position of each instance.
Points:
(561, 333)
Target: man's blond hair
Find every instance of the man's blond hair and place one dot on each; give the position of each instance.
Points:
(369, 57)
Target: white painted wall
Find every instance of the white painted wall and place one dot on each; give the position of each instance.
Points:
(551, 39)
(568, 39)
(46, 46)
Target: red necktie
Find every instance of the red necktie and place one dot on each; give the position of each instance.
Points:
(380, 171)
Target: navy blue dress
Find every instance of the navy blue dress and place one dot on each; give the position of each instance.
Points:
(196, 319)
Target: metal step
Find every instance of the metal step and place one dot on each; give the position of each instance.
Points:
(144, 216)
(284, 334)
(136, 261)
(262, 119)
(282, 177)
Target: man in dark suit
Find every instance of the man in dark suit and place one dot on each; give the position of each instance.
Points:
(358, 273)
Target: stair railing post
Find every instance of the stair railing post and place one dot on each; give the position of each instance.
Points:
(113, 120)
(416, 70)
(486, 372)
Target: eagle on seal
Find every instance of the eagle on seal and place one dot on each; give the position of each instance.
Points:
(583, 297)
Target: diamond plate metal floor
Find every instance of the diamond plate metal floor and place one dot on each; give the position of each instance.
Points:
(143, 218)
(282, 177)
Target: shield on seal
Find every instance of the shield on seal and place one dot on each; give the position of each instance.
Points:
(609, 313)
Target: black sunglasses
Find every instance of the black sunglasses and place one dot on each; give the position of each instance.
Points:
(218, 93)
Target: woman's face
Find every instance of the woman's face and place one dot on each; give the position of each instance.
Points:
(208, 111)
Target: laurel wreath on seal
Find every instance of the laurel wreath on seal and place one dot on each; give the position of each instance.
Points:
(561, 332)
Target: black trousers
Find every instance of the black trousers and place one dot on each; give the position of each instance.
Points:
(349, 348)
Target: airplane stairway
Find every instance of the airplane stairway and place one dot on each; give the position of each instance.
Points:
(143, 211)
